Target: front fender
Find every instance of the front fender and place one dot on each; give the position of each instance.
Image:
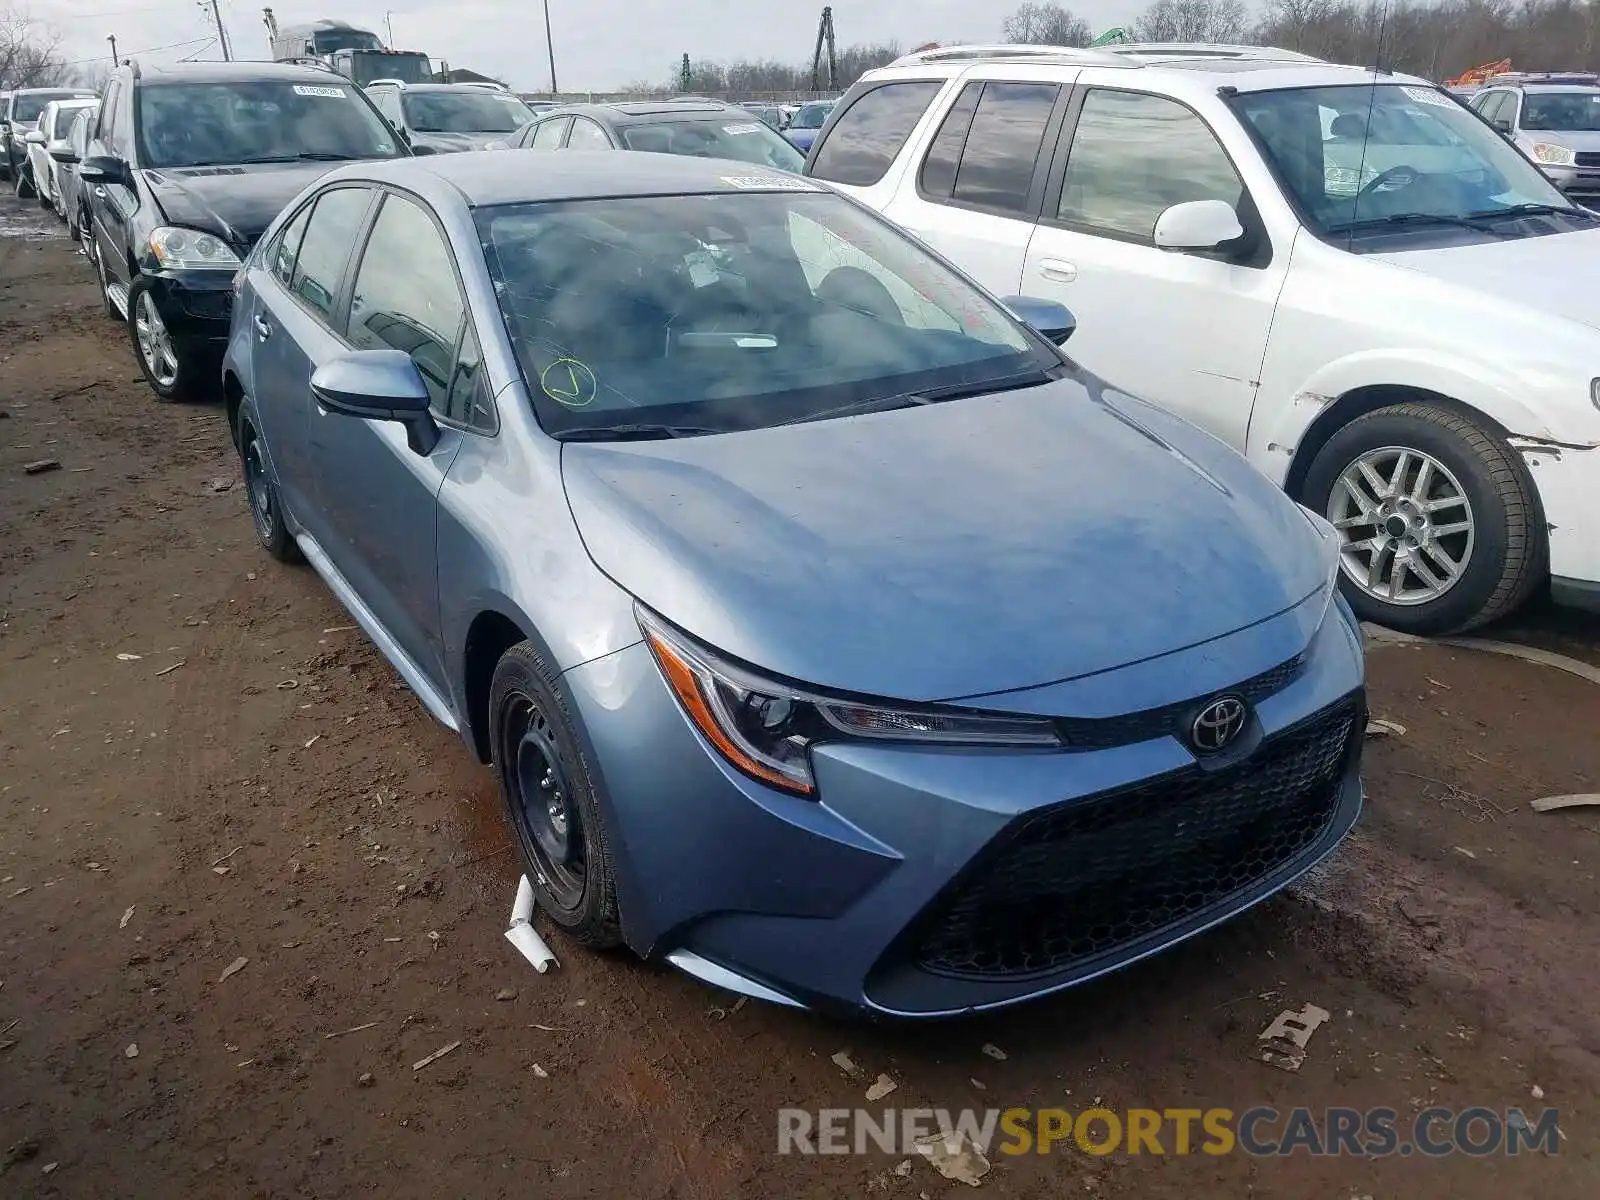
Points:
(1493, 391)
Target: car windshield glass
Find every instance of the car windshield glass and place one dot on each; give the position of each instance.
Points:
(28, 108)
(1391, 157)
(190, 124)
(1562, 112)
(741, 138)
(464, 112)
(811, 116)
(735, 310)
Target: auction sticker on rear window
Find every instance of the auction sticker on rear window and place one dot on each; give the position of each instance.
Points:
(776, 183)
(313, 89)
(748, 127)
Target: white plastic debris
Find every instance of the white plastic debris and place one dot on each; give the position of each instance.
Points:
(881, 1088)
(523, 935)
(1283, 1043)
(954, 1156)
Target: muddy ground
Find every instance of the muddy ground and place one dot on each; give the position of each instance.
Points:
(201, 762)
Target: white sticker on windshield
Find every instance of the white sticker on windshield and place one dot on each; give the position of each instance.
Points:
(775, 183)
(1429, 96)
(314, 89)
(748, 127)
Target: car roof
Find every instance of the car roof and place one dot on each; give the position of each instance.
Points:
(516, 176)
(1579, 88)
(1188, 75)
(237, 72)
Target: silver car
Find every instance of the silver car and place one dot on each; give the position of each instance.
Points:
(833, 636)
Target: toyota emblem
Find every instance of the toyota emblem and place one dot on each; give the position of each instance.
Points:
(1218, 724)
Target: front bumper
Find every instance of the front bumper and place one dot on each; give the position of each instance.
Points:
(1581, 183)
(928, 881)
(1568, 480)
(196, 306)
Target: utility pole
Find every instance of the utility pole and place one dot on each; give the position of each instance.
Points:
(551, 46)
(112, 38)
(222, 34)
(388, 24)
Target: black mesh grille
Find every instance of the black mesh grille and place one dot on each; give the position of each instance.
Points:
(215, 306)
(1588, 158)
(1101, 734)
(1069, 883)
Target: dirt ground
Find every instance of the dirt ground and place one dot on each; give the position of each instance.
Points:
(201, 761)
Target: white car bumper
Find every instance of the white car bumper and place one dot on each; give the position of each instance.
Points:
(1568, 480)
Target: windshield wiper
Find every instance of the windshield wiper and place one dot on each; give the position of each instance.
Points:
(303, 156)
(1413, 218)
(638, 432)
(954, 391)
(1532, 210)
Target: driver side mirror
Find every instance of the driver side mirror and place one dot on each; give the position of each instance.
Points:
(1198, 225)
(1503, 124)
(34, 138)
(61, 151)
(378, 385)
(103, 168)
(1051, 321)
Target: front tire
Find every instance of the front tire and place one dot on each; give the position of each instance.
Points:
(266, 508)
(551, 799)
(172, 372)
(1440, 523)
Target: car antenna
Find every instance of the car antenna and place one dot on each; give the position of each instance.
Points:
(1366, 132)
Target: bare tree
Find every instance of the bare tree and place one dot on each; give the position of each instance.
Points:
(1045, 25)
(1193, 21)
(29, 53)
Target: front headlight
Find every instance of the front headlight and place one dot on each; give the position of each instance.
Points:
(190, 249)
(765, 727)
(1556, 156)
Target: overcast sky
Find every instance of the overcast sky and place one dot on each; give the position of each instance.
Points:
(600, 44)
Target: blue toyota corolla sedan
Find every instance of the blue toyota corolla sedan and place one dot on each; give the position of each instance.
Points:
(833, 636)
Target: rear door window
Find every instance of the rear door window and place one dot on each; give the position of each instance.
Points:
(548, 135)
(280, 260)
(938, 177)
(586, 135)
(1002, 147)
(334, 224)
(867, 137)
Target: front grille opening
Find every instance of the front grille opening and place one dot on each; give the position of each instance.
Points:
(1076, 881)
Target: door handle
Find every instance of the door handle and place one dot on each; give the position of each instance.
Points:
(263, 327)
(1059, 269)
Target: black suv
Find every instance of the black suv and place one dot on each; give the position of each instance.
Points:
(186, 167)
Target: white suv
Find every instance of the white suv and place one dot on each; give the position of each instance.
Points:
(1345, 274)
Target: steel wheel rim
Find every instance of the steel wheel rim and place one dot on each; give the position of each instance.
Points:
(259, 488)
(1405, 524)
(547, 815)
(155, 343)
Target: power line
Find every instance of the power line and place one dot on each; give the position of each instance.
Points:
(133, 53)
(112, 12)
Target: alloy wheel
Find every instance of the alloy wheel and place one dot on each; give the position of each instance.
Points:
(155, 343)
(544, 805)
(258, 488)
(1405, 523)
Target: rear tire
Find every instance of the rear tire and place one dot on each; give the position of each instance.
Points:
(266, 508)
(24, 184)
(1441, 524)
(551, 799)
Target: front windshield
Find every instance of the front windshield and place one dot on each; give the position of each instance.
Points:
(327, 41)
(27, 108)
(811, 116)
(368, 66)
(736, 310)
(743, 140)
(194, 124)
(1562, 112)
(464, 112)
(1360, 157)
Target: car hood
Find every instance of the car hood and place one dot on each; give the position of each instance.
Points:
(235, 202)
(1577, 139)
(449, 143)
(938, 552)
(1553, 274)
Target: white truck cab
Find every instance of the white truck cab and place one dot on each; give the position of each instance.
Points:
(1343, 273)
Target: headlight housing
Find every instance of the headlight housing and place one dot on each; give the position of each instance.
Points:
(191, 249)
(1554, 155)
(766, 727)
